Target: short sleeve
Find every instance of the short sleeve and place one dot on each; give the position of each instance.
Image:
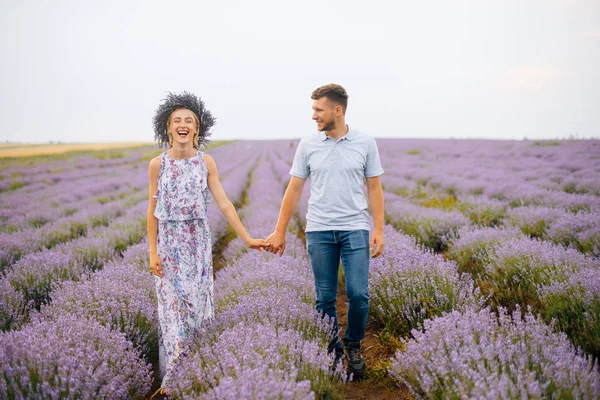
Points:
(373, 167)
(300, 166)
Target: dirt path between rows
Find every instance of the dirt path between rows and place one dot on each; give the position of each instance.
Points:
(376, 384)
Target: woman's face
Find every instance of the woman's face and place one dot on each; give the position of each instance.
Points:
(183, 126)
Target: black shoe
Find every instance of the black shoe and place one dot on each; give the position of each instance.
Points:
(356, 364)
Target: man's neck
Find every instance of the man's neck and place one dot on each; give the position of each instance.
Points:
(339, 131)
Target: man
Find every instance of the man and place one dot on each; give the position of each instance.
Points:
(337, 160)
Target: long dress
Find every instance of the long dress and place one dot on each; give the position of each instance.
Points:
(185, 291)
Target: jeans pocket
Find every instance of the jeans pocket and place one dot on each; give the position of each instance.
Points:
(359, 240)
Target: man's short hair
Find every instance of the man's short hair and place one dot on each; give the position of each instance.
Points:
(333, 92)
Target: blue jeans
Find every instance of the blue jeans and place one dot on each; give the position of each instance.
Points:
(325, 249)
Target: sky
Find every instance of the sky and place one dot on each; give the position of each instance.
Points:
(95, 71)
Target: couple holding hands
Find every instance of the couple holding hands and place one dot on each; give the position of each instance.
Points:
(183, 180)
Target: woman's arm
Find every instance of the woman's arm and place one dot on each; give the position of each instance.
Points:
(227, 207)
(152, 220)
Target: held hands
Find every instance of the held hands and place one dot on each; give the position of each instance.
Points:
(377, 244)
(257, 244)
(277, 243)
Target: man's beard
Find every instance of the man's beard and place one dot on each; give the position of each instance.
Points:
(328, 126)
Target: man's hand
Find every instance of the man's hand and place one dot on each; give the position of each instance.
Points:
(277, 241)
(377, 244)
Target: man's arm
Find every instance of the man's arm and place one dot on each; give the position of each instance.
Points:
(290, 201)
(375, 194)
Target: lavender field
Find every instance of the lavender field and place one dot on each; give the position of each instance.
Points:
(489, 285)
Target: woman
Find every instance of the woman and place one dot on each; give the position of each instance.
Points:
(183, 180)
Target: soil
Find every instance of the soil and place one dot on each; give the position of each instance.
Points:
(376, 384)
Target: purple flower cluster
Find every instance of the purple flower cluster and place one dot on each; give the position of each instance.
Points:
(263, 270)
(581, 231)
(89, 221)
(236, 164)
(120, 297)
(247, 351)
(409, 285)
(70, 358)
(13, 306)
(261, 211)
(471, 247)
(519, 267)
(429, 225)
(482, 211)
(574, 306)
(533, 221)
(262, 383)
(479, 355)
(137, 255)
(36, 273)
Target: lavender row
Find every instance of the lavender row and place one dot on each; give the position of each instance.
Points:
(36, 274)
(492, 167)
(61, 187)
(558, 282)
(64, 186)
(44, 361)
(580, 231)
(433, 223)
(15, 245)
(34, 171)
(430, 226)
(497, 189)
(234, 178)
(42, 206)
(111, 312)
(409, 285)
(475, 354)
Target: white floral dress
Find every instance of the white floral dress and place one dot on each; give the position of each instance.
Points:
(185, 291)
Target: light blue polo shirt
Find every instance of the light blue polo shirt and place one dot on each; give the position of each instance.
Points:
(337, 172)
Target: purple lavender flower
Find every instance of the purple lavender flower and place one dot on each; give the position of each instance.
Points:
(262, 383)
(574, 306)
(581, 231)
(70, 357)
(409, 285)
(533, 221)
(519, 266)
(13, 306)
(36, 274)
(477, 355)
(471, 247)
(120, 297)
(429, 225)
(246, 348)
(255, 270)
(274, 305)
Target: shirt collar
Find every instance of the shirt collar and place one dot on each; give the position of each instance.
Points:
(347, 136)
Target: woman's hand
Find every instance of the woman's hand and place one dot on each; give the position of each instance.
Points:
(155, 265)
(257, 244)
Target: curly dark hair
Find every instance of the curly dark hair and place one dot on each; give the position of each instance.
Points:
(175, 101)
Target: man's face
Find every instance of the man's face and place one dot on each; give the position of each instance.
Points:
(323, 114)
